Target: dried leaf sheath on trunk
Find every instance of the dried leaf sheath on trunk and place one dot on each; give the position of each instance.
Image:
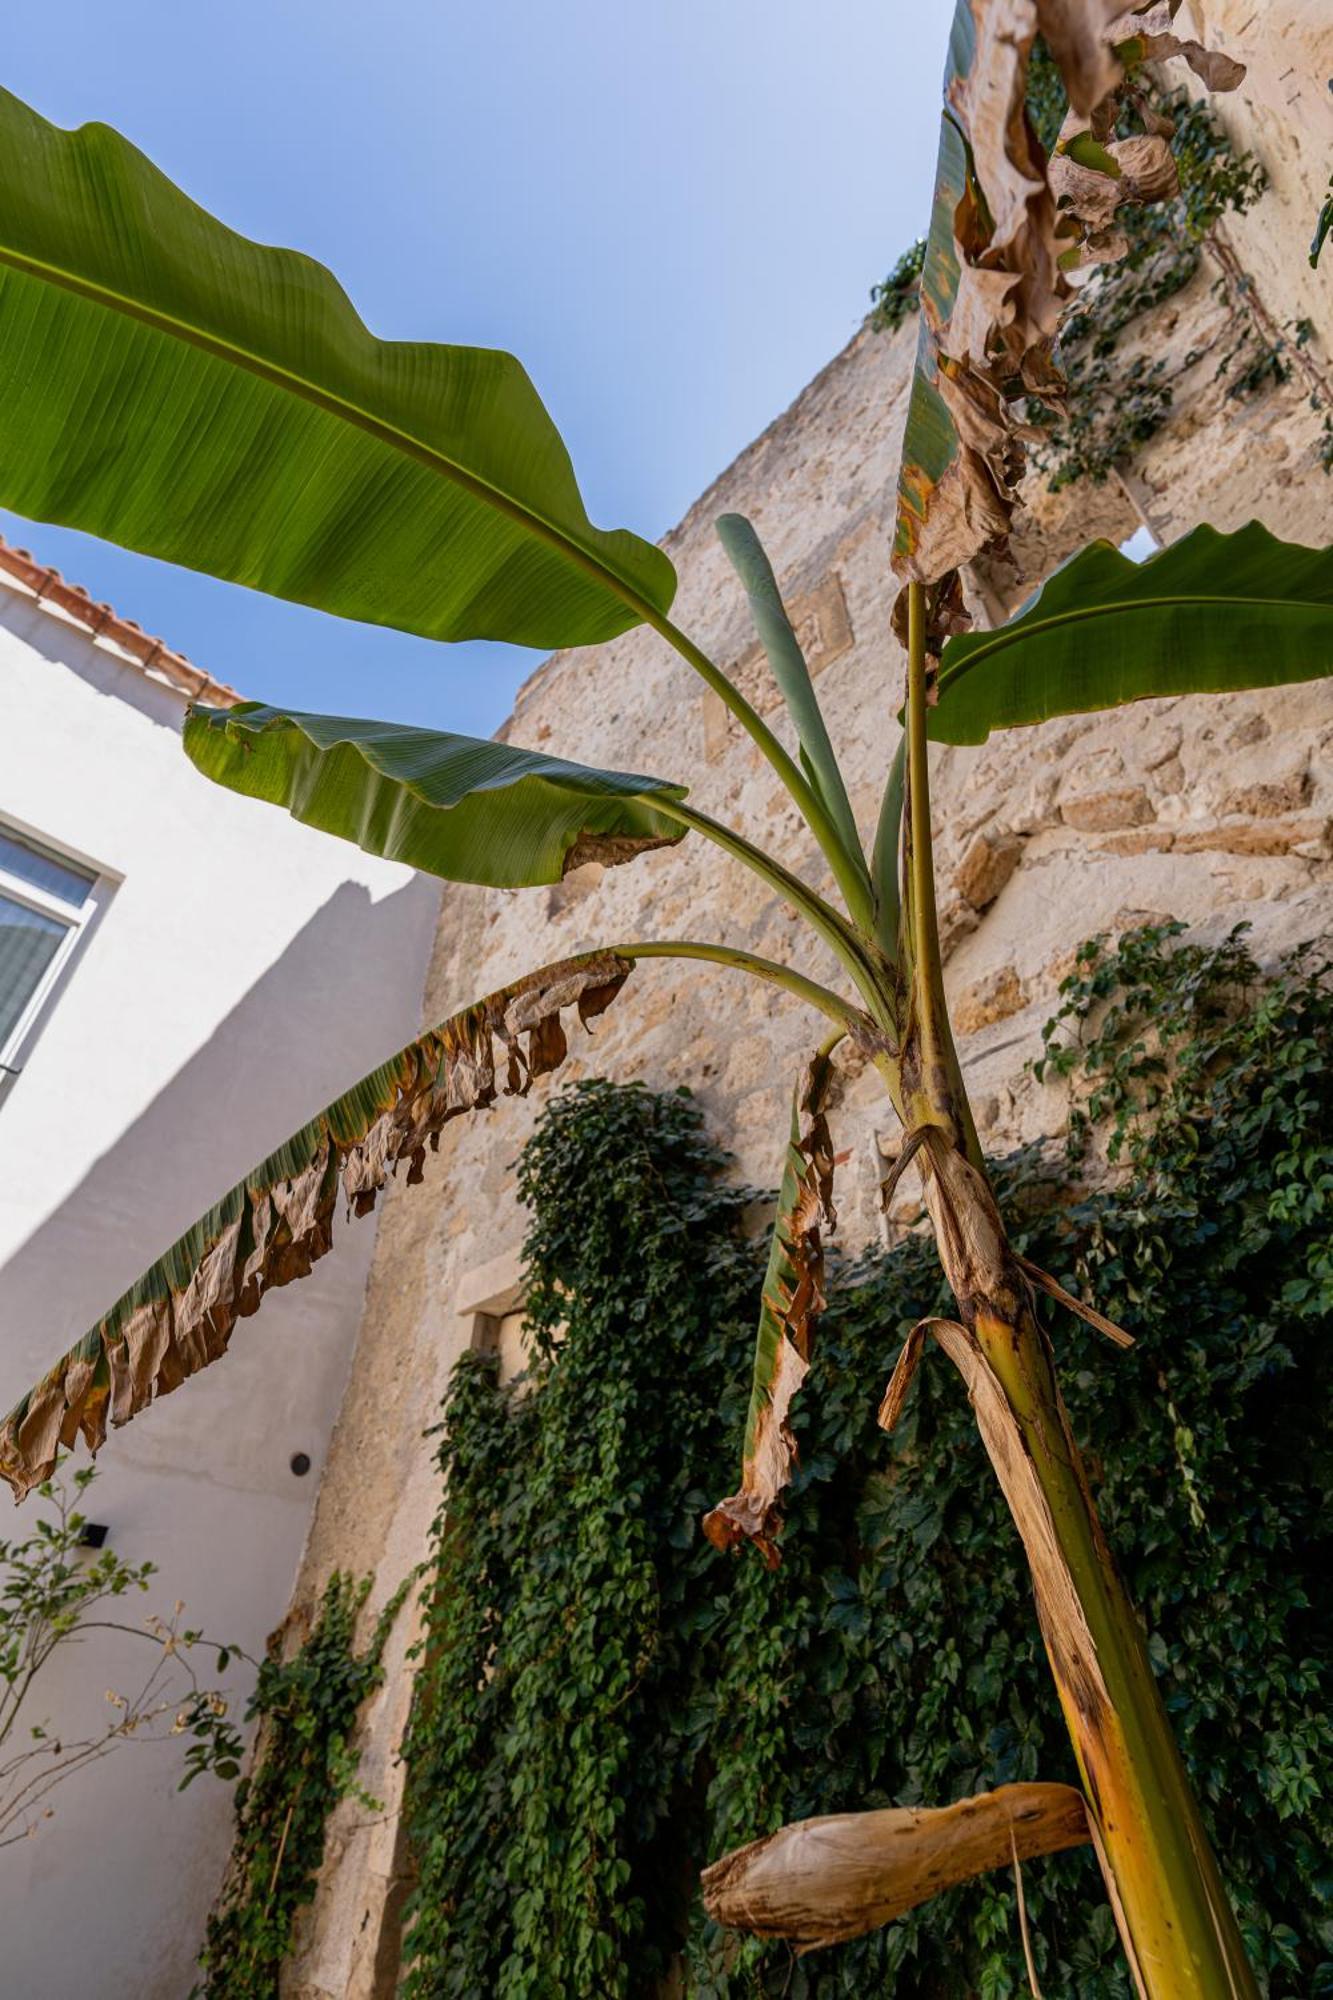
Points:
(1155, 1854)
(1179, 1933)
(823, 1881)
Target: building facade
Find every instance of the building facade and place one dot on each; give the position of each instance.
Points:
(183, 979)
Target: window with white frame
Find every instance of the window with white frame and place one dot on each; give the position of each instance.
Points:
(46, 902)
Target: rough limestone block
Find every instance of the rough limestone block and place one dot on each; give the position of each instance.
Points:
(1106, 812)
(1270, 801)
(986, 867)
(994, 998)
(1262, 837)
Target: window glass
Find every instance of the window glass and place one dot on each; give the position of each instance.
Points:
(29, 862)
(29, 940)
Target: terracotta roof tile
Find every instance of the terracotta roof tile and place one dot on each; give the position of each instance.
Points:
(48, 586)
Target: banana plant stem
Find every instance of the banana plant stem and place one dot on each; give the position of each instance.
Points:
(1175, 1922)
(933, 1084)
(822, 997)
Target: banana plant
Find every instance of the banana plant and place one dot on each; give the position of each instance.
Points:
(176, 388)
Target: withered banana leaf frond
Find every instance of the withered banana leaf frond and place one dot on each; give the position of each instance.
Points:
(1093, 172)
(1147, 34)
(1093, 179)
(991, 298)
(793, 1297)
(1076, 33)
(1095, 41)
(1214, 613)
(823, 1881)
(271, 1227)
(456, 806)
(1004, 236)
(177, 388)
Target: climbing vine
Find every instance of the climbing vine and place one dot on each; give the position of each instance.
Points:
(604, 1703)
(305, 1764)
(897, 297)
(555, 1798)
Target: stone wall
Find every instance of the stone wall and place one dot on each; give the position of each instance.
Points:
(1216, 811)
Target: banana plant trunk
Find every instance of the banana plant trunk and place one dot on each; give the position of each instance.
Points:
(1173, 1914)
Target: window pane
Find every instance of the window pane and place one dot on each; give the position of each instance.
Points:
(33, 863)
(28, 943)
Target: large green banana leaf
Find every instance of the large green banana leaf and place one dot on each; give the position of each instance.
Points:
(1213, 613)
(792, 1298)
(456, 806)
(271, 1227)
(170, 385)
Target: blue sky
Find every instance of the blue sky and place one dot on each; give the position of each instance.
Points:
(670, 210)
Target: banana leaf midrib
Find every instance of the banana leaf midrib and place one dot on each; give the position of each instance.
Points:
(562, 773)
(1021, 630)
(338, 406)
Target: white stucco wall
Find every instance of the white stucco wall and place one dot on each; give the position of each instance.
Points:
(245, 971)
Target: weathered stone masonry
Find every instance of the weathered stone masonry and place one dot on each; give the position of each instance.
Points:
(1215, 811)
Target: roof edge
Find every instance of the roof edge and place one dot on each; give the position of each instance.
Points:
(48, 587)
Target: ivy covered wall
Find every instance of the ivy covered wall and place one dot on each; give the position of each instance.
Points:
(603, 1703)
